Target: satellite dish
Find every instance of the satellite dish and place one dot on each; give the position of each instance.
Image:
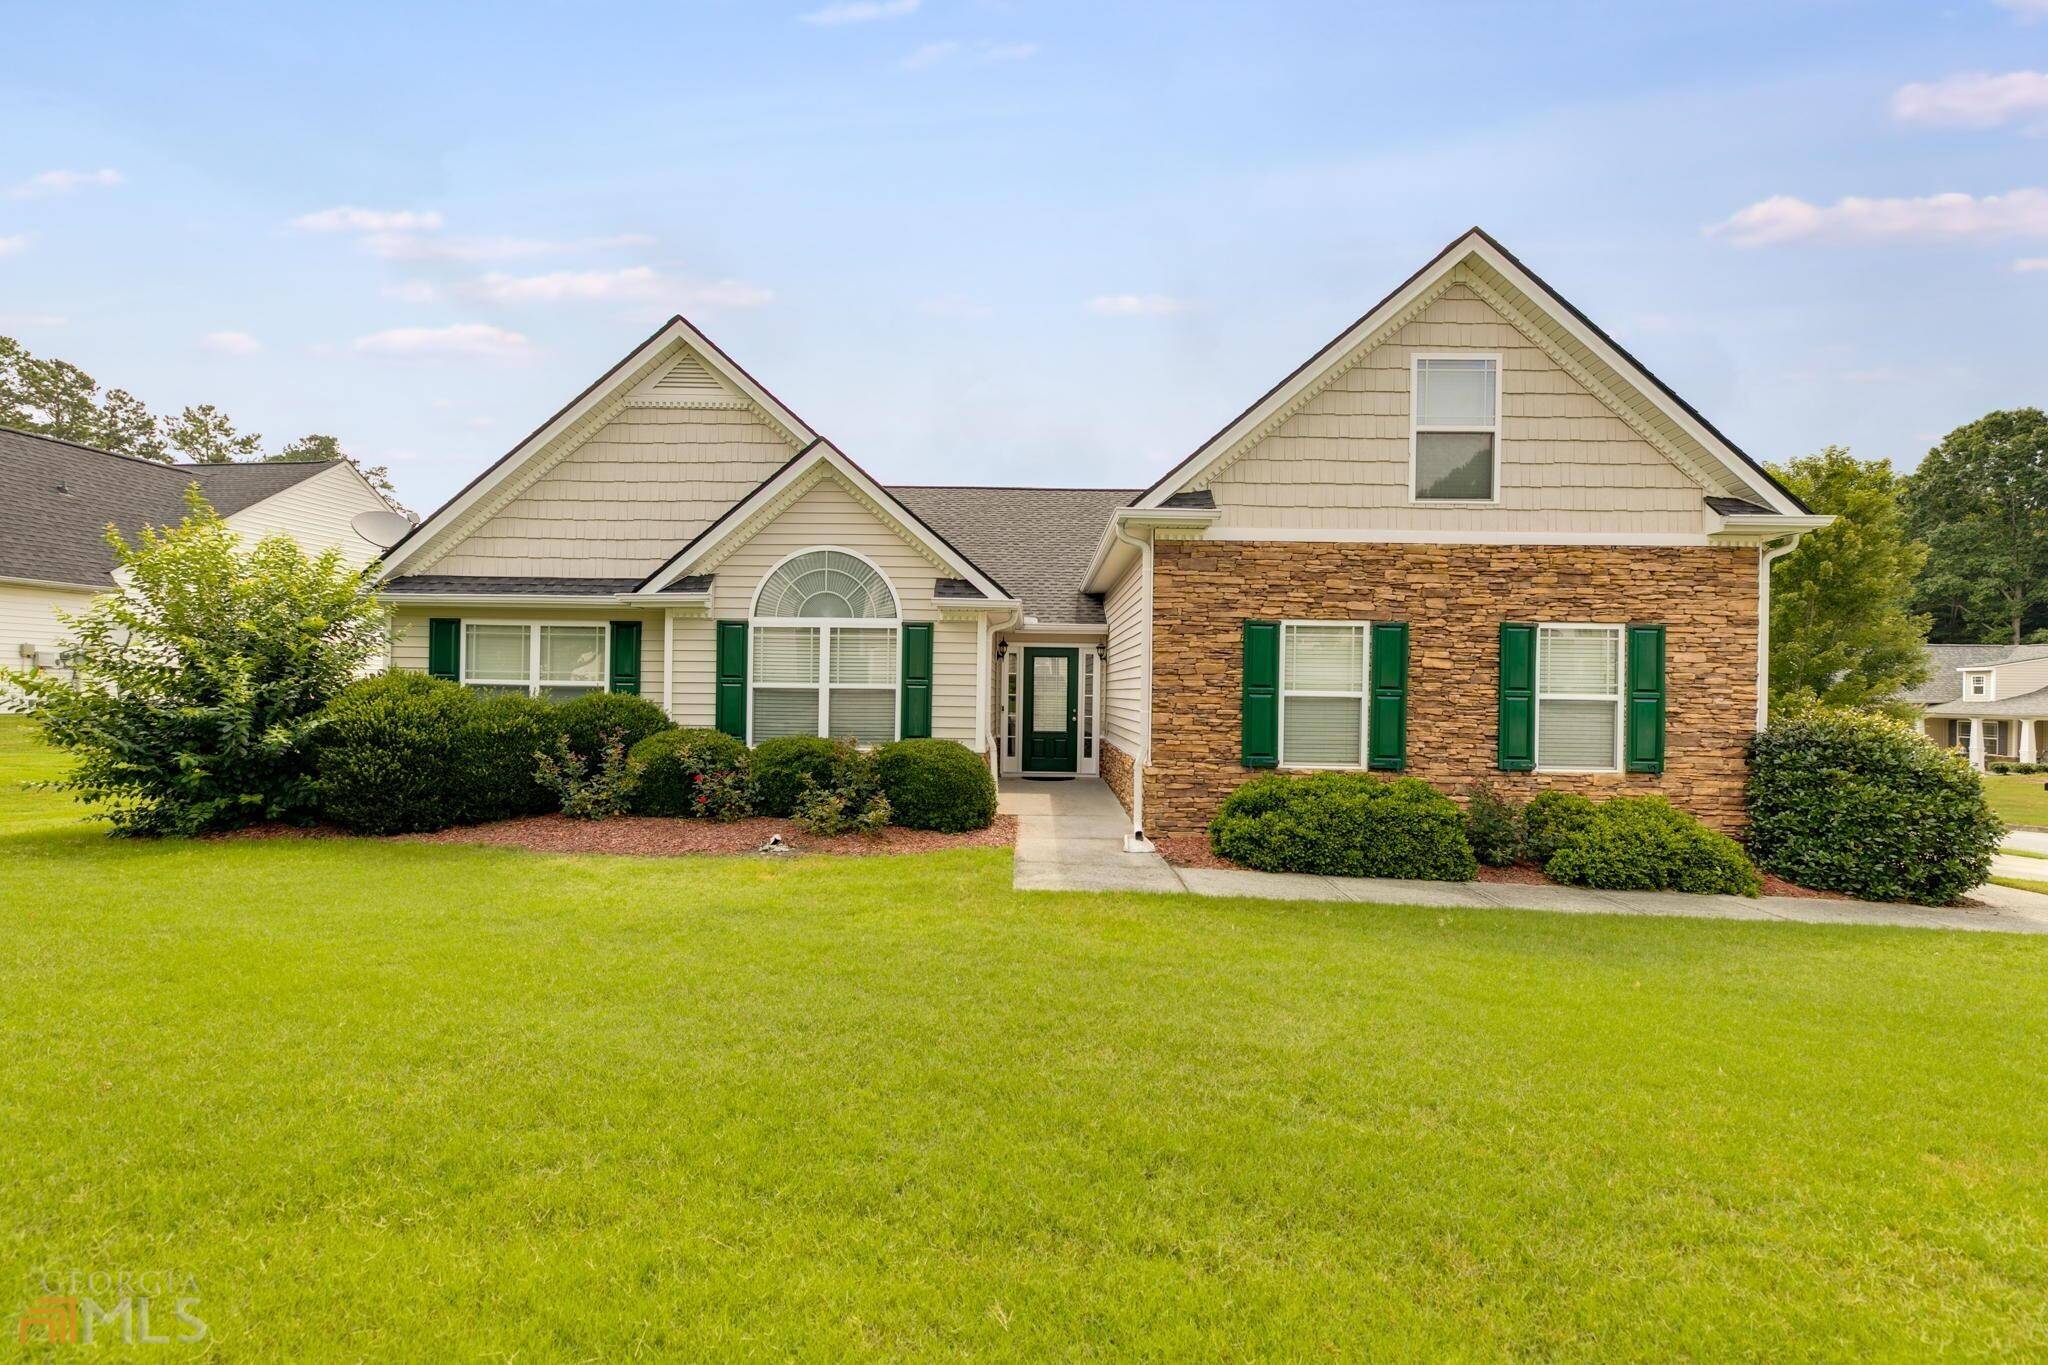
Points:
(381, 529)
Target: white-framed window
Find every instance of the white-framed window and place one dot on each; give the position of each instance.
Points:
(1980, 684)
(1012, 673)
(1323, 710)
(1088, 672)
(1454, 436)
(559, 660)
(1579, 681)
(824, 651)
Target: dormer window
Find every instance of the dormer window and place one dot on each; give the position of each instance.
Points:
(1455, 438)
(1980, 685)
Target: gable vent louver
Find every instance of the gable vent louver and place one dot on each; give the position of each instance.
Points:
(687, 378)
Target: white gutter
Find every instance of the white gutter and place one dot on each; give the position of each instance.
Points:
(495, 599)
(1200, 517)
(1135, 841)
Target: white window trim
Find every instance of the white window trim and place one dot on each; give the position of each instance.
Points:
(534, 684)
(1416, 428)
(827, 627)
(1363, 696)
(1970, 685)
(1619, 696)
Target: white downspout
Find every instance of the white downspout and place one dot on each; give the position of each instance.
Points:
(668, 662)
(1769, 555)
(1135, 841)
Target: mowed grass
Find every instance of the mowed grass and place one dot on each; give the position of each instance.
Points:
(398, 1101)
(2018, 799)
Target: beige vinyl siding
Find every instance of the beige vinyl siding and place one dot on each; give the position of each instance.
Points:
(628, 498)
(695, 700)
(2018, 679)
(1568, 462)
(828, 515)
(317, 513)
(28, 616)
(409, 642)
(1128, 608)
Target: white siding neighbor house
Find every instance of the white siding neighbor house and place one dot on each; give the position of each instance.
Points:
(1470, 538)
(57, 499)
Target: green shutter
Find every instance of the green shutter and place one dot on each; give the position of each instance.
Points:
(1387, 732)
(1517, 745)
(731, 705)
(1646, 699)
(917, 680)
(626, 657)
(444, 648)
(1259, 729)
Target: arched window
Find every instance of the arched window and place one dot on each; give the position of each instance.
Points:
(824, 652)
(828, 583)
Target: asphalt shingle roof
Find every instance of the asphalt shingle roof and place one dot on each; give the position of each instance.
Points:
(57, 497)
(2034, 703)
(1037, 542)
(1945, 684)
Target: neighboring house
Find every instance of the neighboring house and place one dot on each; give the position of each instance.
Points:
(1471, 538)
(1991, 701)
(57, 499)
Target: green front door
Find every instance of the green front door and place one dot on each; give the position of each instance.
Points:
(1052, 696)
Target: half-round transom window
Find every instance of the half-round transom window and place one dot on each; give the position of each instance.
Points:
(826, 583)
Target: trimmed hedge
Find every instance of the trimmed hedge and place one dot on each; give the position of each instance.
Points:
(936, 784)
(672, 764)
(589, 718)
(1550, 819)
(1344, 825)
(403, 753)
(785, 768)
(1858, 803)
(1642, 843)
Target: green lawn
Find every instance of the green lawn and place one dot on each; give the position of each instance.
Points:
(388, 1100)
(2018, 800)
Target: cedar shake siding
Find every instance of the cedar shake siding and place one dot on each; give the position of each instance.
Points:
(1454, 599)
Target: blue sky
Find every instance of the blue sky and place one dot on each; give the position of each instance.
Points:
(1013, 242)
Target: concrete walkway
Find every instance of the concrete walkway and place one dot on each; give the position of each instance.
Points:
(1070, 838)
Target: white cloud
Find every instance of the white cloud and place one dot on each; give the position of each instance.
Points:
(633, 284)
(860, 11)
(411, 291)
(461, 338)
(1973, 100)
(2030, 265)
(1935, 217)
(10, 245)
(10, 321)
(982, 54)
(63, 182)
(369, 220)
(480, 423)
(409, 246)
(1137, 305)
(2026, 9)
(230, 343)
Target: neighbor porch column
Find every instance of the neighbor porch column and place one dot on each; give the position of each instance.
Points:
(1977, 743)
(2026, 754)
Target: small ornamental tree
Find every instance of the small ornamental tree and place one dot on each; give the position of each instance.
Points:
(197, 682)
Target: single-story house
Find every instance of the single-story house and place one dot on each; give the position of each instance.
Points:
(57, 499)
(1991, 701)
(1469, 538)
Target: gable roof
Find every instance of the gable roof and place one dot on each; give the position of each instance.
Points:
(797, 473)
(1691, 434)
(57, 497)
(1944, 681)
(1037, 541)
(662, 346)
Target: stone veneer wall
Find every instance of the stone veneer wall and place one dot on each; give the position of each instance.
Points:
(1116, 770)
(1454, 598)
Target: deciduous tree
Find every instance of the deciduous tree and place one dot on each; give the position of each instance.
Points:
(1980, 502)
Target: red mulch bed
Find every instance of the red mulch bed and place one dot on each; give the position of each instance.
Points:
(650, 836)
(1193, 851)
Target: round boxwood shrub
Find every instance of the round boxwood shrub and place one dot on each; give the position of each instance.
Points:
(385, 751)
(1858, 803)
(588, 719)
(494, 775)
(1344, 825)
(936, 784)
(672, 764)
(784, 767)
(1641, 843)
(1551, 818)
